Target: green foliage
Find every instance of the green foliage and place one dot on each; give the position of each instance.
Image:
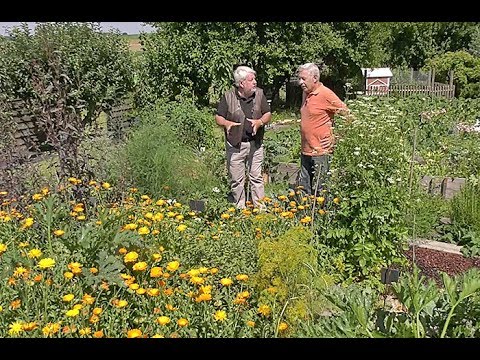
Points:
(423, 310)
(287, 263)
(466, 71)
(196, 60)
(162, 165)
(428, 209)
(465, 214)
(66, 74)
(411, 44)
(351, 314)
(281, 146)
(369, 172)
(195, 128)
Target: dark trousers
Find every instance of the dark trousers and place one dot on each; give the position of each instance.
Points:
(314, 173)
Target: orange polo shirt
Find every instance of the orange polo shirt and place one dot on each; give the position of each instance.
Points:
(317, 113)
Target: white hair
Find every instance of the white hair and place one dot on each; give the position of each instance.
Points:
(311, 68)
(241, 73)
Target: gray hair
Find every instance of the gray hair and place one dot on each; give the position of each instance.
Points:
(241, 73)
(311, 68)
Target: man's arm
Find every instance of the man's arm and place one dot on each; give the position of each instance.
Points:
(221, 121)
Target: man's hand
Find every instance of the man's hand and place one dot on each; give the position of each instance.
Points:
(256, 124)
(230, 125)
(328, 142)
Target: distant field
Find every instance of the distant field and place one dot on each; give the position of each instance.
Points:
(134, 42)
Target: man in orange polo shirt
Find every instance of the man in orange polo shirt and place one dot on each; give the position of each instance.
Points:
(319, 106)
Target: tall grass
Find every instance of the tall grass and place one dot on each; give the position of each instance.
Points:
(164, 166)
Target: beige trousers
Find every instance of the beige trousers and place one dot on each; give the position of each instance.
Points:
(248, 158)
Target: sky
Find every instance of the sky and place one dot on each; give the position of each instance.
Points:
(127, 27)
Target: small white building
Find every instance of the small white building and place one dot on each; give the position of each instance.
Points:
(377, 80)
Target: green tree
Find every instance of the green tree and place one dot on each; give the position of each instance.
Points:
(411, 44)
(466, 71)
(196, 60)
(66, 74)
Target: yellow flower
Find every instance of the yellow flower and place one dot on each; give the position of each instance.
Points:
(140, 266)
(59, 232)
(158, 336)
(28, 222)
(88, 299)
(68, 297)
(213, 271)
(85, 331)
(170, 307)
(121, 303)
(30, 326)
(140, 291)
(15, 328)
(226, 281)
(156, 272)
(46, 263)
(51, 329)
(75, 267)
(158, 217)
(225, 216)
(250, 323)
(282, 326)
(203, 297)
(181, 227)
(98, 334)
(197, 280)
(68, 275)
(3, 248)
(153, 292)
(78, 208)
(264, 310)
(182, 322)
(122, 251)
(97, 311)
(161, 202)
(220, 315)
(134, 333)
(206, 289)
(72, 313)
(242, 277)
(132, 256)
(133, 286)
(106, 185)
(20, 270)
(163, 320)
(93, 270)
(144, 230)
(306, 220)
(173, 265)
(336, 200)
(37, 197)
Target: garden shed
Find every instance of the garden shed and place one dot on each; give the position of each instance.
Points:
(377, 80)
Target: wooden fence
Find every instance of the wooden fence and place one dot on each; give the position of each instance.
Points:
(436, 89)
(120, 119)
(27, 135)
(29, 139)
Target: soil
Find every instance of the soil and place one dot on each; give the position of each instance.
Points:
(432, 262)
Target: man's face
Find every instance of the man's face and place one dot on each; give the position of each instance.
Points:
(249, 85)
(307, 81)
